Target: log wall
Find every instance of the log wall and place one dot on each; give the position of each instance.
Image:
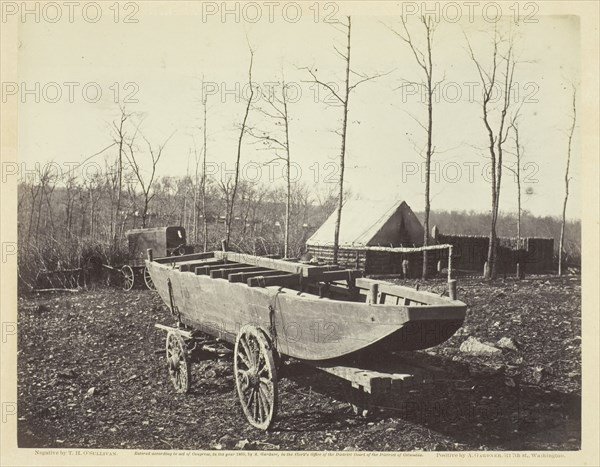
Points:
(536, 256)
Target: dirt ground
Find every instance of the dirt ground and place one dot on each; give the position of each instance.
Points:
(89, 377)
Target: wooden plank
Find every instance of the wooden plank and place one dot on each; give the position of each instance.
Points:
(203, 270)
(182, 258)
(206, 270)
(293, 268)
(417, 296)
(282, 280)
(268, 263)
(341, 275)
(244, 276)
(237, 275)
(190, 266)
(223, 273)
(372, 380)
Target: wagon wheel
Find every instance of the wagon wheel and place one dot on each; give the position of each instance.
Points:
(255, 376)
(148, 279)
(178, 362)
(179, 250)
(128, 277)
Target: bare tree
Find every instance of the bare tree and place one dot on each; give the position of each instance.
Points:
(499, 74)
(278, 111)
(519, 153)
(145, 185)
(567, 179)
(229, 190)
(46, 178)
(204, 152)
(195, 189)
(119, 139)
(71, 190)
(343, 100)
(425, 62)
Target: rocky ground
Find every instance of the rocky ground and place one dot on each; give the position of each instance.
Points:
(88, 377)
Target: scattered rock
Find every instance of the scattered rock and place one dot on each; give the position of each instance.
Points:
(508, 344)
(538, 374)
(227, 442)
(67, 374)
(244, 444)
(475, 347)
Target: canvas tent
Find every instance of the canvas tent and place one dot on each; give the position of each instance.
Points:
(372, 223)
(369, 223)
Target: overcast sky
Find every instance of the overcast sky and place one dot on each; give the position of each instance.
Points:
(168, 51)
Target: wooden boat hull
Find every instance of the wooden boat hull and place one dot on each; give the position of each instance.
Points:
(303, 326)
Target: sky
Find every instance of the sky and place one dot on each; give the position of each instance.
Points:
(158, 63)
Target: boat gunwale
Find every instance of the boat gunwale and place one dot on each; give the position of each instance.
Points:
(440, 301)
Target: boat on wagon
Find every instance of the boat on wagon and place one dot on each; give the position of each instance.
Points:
(268, 308)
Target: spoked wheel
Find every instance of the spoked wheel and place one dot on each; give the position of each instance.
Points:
(128, 277)
(178, 362)
(256, 376)
(179, 251)
(148, 279)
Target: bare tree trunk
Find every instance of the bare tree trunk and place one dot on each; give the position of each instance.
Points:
(425, 62)
(145, 184)
(286, 239)
(338, 219)
(564, 209)
(120, 141)
(489, 79)
(518, 208)
(517, 173)
(230, 211)
(344, 101)
(429, 153)
(279, 108)
(204, 149)
(31, 213)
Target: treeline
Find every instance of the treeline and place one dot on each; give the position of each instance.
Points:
(69, 224)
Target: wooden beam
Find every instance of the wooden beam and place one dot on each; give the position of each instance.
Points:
(282, 280)
(238, 275)
(416, 296)
(372, 381)
(293, 268)
(244, 276)
(203, 269)
(268, 263)
(330, 276)
(206, 270)
(179, 259)
(223, 273)
(191, 265)
(184, 333)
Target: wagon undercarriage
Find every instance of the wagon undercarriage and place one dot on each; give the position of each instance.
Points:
(257, 364)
